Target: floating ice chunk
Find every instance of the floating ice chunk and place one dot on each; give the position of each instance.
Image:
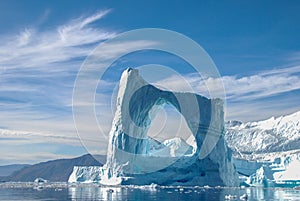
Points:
(244, 197)
(40, 180)
(230, 197)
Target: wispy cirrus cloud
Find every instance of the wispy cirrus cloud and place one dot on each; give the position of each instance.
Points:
(29, 137)
(37, 49)
(261, 85)
(38, 60)
(247, 93)
(37, 73)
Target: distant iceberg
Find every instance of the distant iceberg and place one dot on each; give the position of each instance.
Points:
(40, 180)
(85, 174)
(282, 172)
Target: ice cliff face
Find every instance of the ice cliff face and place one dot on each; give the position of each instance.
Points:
(85, 174)
(132, 156)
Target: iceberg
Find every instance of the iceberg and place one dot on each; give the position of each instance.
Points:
(135, 158)
(263, 177)
(282, 172)
(290, 170)
(85, 174)
(40, 180)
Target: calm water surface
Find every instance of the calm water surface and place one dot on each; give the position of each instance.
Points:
(63, 191)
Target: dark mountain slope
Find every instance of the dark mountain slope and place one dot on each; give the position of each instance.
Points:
(7, 170)
(55, 170)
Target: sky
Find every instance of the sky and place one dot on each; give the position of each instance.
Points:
(255, 46)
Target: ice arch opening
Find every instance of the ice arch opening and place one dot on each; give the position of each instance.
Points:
(169, 134)
(142, 113)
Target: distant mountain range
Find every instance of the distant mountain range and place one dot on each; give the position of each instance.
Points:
(54, 171)
(7, 170)
(254, 140)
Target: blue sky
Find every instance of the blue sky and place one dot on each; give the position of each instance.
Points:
(255, 45)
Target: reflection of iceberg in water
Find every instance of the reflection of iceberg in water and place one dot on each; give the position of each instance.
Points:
(97, 193)
(130, 159)
(147, 193)
(272, 194)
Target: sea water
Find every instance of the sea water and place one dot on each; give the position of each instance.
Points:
(64, 191)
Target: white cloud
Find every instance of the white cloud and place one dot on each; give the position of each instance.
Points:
(36, 49)
(29, 137)
(25, 37)
(261, 110)
(245, 94)
(37, 72)
(261, 85)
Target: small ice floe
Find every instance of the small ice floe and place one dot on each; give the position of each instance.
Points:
(244, 197)
(152, 186)
(58, 189)
(230, 197)
(40, 180)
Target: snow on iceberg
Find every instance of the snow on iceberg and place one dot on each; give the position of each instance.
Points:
(263, 177)
(282, 172)
(288, 172)
(85, 174)
(134, 158)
